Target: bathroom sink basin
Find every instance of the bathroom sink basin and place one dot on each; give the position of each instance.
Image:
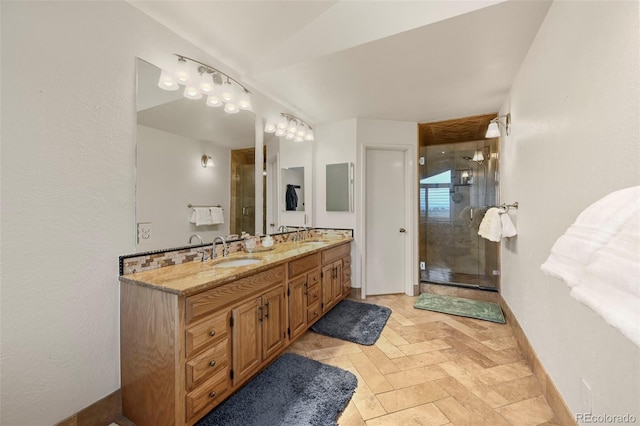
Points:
(232, 263)
(313, 242)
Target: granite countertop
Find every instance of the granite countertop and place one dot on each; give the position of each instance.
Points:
(193, 277)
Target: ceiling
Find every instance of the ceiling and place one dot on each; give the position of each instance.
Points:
(414, 61)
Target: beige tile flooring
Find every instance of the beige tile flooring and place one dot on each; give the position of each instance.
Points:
(429, 368)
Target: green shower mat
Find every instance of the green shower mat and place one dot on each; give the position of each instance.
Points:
(486, 311)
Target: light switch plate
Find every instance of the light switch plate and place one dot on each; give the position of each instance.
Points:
(145, 232)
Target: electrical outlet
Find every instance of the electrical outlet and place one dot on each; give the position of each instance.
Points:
(496, 272)
(145, 233)
(423, 266)
(586, 396)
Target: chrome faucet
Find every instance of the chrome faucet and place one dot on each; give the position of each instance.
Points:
(283, 228)
(225, 253)
(200, 239)
(306, 232)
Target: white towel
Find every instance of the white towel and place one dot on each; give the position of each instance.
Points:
(201, 216)
(593, 228)
(508, 230)
(217, 216)
(610, 283)
(491, 225)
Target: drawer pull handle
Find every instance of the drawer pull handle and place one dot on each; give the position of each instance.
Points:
(315, 313)
(212, 333)
(212, 364)
(212, 394)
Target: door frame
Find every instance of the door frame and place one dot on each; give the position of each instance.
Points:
(411, 242)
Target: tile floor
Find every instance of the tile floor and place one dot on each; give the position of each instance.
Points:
(434, 369)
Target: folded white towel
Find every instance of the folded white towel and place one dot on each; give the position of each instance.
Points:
(491, 225)
(217, 215)
(201, 216)
(610, 283)
(593, 228)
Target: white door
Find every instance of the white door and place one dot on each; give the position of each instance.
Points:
(385, 221)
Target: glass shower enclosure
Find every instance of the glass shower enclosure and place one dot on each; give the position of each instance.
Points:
(458, 183)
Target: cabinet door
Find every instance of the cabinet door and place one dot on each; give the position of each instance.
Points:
(247, 338)
(297, 306)
(273, 324)
(327, 287)
(337, 281)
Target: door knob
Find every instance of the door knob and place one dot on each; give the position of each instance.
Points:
(403, 230)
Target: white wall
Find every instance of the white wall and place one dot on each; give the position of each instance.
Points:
(68, 157)
(169, 176)
(575, 138)
(388, 133)
(335, 143)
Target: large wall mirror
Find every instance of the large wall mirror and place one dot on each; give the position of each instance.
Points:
(174, 134)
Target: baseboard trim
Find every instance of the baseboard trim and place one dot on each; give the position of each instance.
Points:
(102, 412)
(555, 400)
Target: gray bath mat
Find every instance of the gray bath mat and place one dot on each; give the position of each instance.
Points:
(294, 390)
(353, 321)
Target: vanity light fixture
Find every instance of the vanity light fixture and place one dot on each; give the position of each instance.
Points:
(493, 131)
(200, 79)
(292, 127)
(206, 161)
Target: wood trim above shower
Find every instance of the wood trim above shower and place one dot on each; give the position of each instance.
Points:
(457, 130)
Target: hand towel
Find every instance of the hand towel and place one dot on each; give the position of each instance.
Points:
(201, 216)
(593, 228)
(217, 216)
(508, 230)
(491, 225)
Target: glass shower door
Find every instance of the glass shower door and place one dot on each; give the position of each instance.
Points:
(454, 194)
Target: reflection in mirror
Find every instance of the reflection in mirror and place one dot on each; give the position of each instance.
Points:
(293, 188)
(339, 189)
(173, 134)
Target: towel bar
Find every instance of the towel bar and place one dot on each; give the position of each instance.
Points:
(193, 205)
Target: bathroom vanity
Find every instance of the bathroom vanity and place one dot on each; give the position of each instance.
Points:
(194, 333)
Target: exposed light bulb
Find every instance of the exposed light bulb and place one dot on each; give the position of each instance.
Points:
(292, 127)
(192, 92)
(282, 123)
(213, 100)
(228, 92)
(183, 72)
(206, 83)
(301, 132)
(269, 128)
(244, 101)
(291, 136)
(281, 132)
(167, 81)
(231, 108)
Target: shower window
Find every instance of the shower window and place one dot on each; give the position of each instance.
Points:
(435, 201)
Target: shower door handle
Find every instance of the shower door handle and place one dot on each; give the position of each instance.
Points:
(470, 214)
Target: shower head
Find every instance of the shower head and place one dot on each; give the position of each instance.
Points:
(467, 158)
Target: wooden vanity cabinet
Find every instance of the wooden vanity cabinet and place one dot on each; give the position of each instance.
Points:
(336, 275)
(258, 332)
(303, 293)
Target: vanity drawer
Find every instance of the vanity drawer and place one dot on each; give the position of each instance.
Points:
(313, 294)
(206, 333)
(202, 304)
(313, 278)
(346, 262)
(306, 264)
(336, 253)
(208, 395)
(203, 366)
(346, 275)
(313, 313)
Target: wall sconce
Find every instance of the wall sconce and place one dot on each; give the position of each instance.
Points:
(200, 79)
(292, 127)
(206, 161)
(493, 131)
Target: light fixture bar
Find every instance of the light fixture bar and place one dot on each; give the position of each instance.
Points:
(298, 120)
(211, 70)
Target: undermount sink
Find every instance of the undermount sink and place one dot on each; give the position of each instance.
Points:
(313, 242)
(231, 263)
